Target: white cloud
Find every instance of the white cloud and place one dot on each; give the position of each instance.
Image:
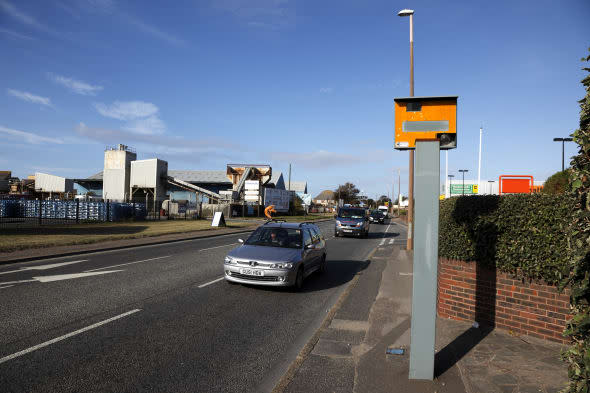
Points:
(77, 86)
(14, 34)
(149, 125)
(267, 14)
(142, 117)
(157, 143)
(27, 137)
(20, 16)
(326, 90)
(26, 96)
(154, 31)
(127, 110)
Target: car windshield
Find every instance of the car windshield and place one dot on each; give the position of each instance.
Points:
(351, 213)
(376, 213)
(275, 237)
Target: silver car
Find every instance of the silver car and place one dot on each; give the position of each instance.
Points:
(277, 254)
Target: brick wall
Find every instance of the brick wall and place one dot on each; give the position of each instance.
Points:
(470, 292)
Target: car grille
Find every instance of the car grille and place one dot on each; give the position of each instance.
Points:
(254, 278)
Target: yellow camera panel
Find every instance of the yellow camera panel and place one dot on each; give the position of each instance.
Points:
(425, 119)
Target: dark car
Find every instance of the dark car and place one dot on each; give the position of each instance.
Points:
(352, 221)
(377, 216)
(277, 254)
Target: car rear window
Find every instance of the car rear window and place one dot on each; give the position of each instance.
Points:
(351, 213)
(275, 237)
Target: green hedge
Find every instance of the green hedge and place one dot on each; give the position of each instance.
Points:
(520, 234)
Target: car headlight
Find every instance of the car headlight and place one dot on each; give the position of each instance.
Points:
(359, 224)
(228, 260)
(338, 223)
(370, 218)
(281, 266)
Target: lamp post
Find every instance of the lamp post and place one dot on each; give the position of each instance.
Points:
(410, 244)
(463, 172)
(450, 179)
(562, 140)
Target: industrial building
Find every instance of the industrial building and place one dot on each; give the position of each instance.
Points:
(126, 179)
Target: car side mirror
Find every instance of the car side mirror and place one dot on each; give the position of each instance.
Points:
(241, 241)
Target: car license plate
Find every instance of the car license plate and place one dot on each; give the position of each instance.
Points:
(252, 272)
(347, 230)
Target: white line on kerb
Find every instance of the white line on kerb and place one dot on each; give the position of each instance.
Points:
(406, 274)
(53, 341)
(128, 263)
(8, 286)
(211, 282)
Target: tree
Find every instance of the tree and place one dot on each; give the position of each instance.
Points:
(371, 203)
(578, 329)
(557, 183)
(383, 199)
(347, 192)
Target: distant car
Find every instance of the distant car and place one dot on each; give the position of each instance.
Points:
(277, 254)
(351, 221)
(384, 209)
(378, 216)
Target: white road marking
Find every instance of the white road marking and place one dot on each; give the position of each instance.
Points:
(406, 274)
(53, 341)
(61, 277)
(15, 282)
(382, 242)
(128, 263)
(8, 286)
(391, 241)
(211, 282)
(44, 267)
(211, 248)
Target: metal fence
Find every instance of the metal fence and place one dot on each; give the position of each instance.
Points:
(22, 212)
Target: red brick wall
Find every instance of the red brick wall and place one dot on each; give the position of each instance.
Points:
(469, 292)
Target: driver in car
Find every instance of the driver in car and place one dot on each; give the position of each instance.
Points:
(278, 236)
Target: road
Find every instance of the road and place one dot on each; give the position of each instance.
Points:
(159, 318)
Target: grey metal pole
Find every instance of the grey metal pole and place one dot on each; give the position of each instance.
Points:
(463, 188)
(424, 287)
(562, 154)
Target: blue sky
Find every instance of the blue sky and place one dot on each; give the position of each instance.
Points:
(204, 83)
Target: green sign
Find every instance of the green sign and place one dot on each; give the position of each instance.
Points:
(460, 189)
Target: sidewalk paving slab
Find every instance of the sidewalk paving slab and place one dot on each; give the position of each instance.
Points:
(350, 355)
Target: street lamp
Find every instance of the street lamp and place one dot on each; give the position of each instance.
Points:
(409, 244)
(562, 140)
(463, 172)
(450, 179)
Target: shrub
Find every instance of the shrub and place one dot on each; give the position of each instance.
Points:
(524, 235)
(557, 183)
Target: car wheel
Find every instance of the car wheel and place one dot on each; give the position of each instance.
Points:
(299, 280)
(336, 234)
(324, 266)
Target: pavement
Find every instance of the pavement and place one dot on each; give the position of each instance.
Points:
(348, 354)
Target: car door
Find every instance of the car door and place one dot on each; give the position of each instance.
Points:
(318, 248)
(308, 253)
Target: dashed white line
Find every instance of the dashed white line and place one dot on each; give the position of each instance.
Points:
(128, 263)
(211, 282)
(391, 241)
(65, 336)
(406, 274)
(8, 286)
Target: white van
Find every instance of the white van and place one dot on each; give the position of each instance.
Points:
(384, 209)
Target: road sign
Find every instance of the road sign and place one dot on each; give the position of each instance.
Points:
(460, 189)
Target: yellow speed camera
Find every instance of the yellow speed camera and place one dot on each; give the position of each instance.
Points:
(425, 119)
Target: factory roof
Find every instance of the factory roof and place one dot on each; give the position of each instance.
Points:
(297, 186)
(201, 176)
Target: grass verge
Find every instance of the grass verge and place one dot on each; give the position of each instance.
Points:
(13, 239)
